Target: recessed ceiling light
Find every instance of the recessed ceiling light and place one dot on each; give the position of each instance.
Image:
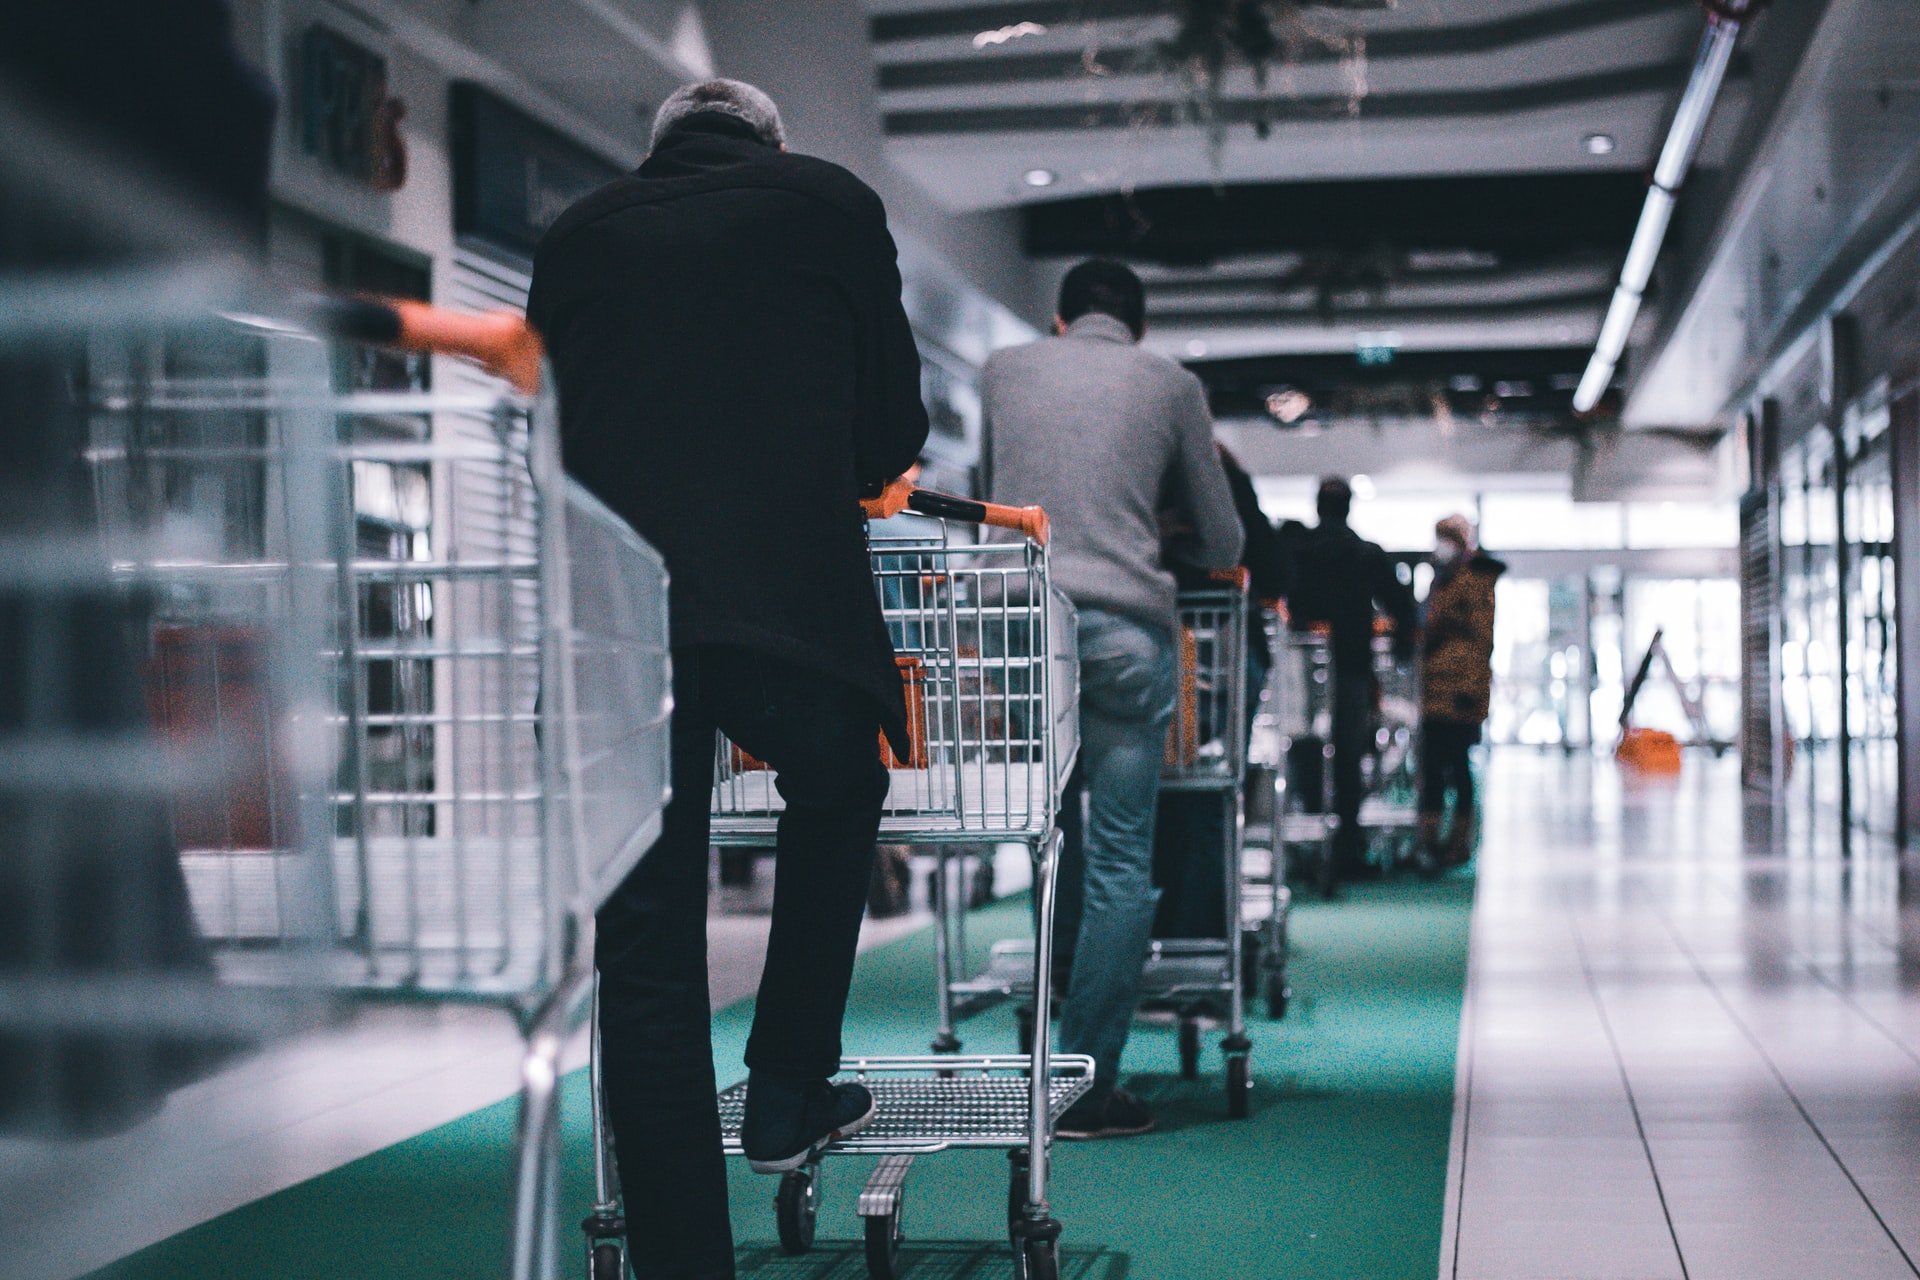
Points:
(1196, 349)
(1598, 144)
(1039, 177)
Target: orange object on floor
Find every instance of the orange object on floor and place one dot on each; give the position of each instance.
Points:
(1652, 751)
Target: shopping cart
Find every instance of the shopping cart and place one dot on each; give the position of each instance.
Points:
(1389, 815)
(986, 647)
(433, 673)
(1206, 758)
(1293, 736)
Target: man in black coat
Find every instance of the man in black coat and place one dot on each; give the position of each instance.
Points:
(735, 371)
(1340, 580)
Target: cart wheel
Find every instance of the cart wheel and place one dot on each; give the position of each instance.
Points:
(607, 1261)
(796, 1207)
(1278, 994)
(1239, 1085)
(883, 1245)
(1040, 1260)
(1189, 1048)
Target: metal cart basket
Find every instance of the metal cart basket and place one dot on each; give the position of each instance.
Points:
(987, 654)
(434, 674)
(1389, 816)
(1294, 736)
(1205, 758)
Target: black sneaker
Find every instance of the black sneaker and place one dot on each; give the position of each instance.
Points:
(1119, 1115)
(789, 1123)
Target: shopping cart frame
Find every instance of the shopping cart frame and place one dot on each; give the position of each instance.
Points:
(1182, 973)
(382, 936)
(939, 592)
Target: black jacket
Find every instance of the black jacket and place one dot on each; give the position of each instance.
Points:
(1264, 555)
(1340, 578)
(735, 369)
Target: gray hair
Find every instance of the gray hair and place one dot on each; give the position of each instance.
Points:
(727, 97)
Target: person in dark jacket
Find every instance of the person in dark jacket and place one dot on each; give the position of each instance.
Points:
(1190, 837)
(1342, 581)
(735, 370)
(1456, 685)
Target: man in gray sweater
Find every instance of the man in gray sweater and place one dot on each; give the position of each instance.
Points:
(1117, 445)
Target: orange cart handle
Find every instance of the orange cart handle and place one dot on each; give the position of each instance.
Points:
(501, 341)
(899, 496)
(1239, 576)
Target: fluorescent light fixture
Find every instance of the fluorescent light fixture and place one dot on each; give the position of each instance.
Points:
(1648, 235)
(1039, 177)
(1676, 157)
(1362, 487)
(1598, 144)
(1013, 31)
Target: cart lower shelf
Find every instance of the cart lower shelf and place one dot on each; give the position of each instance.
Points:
(934, 1102)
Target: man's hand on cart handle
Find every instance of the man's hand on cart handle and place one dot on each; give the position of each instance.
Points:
(502, 341)
(901, 495)
(892, 500)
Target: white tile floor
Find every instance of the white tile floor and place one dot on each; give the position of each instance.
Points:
(1690, 1051)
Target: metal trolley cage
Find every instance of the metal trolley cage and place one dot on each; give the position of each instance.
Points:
(988, 658)
(429, 789)
(1293, 735)
(1389, 815)
(1206, 755)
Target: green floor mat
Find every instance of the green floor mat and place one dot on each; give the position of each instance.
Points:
(1338, 1174)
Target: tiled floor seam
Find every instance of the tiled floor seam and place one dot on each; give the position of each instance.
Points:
(1455, 1214)
(1786, 1086)
(1626, 1085)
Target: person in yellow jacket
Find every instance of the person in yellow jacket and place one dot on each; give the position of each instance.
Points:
(1456, 684)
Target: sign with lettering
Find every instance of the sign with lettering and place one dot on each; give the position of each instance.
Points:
(347, 118)
(512, 175)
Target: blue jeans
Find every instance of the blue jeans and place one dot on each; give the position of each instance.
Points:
(1107, 898)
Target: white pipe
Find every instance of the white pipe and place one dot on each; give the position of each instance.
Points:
(1676, 158)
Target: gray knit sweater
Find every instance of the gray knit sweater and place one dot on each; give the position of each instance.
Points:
(1105, 436)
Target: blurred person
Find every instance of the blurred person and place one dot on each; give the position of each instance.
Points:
(1190, 838)
(735, 370)
(1341, 582)
(1456, 682)
(1106, 436)
(153, 106)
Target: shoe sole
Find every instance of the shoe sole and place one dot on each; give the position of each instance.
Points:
(792, 1162)
(1116, 1131)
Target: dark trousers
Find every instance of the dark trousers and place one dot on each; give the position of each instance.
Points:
(821, 737)
(1445, 766)
(1353, 708)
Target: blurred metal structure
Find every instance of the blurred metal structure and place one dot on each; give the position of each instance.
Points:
(1293, 736)
(1390, 814)
(986, 650)
(408, 686)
